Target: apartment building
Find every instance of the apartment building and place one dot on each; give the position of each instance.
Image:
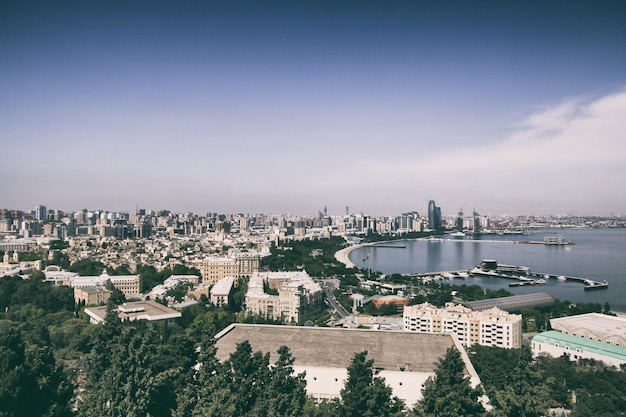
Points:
(493, 327)
(299, 297)
(239, 266)
(221, 291)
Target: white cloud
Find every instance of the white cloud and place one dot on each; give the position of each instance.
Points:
(569, 157)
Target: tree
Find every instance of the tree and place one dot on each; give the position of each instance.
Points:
(449, 393)
(365, 395)
(28, 373)
(524, 395)
(286, 393)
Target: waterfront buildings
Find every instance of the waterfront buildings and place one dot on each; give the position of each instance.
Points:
(493, 327)
(405, 360)
(434, 216)
(288, 296)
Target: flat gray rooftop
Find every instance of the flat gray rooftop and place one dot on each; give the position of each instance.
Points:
(334, 347)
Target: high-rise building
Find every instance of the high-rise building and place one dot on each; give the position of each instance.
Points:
(434, 216)
(41, 212)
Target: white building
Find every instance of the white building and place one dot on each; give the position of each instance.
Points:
(585, 336)
(139, 310)
(240, 266)
(221, 291)
(404, 360)
(298, 296)
(492, 327)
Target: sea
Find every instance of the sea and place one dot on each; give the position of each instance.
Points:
(596, 253)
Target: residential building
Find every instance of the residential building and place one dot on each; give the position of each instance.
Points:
(299, 297)
(221, 291)
(492, 327)
(239, 266)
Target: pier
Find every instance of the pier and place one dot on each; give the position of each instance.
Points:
(520, 275)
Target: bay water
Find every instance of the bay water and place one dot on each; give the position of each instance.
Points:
(597, 253)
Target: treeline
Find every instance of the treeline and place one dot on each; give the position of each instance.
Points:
(520, 385)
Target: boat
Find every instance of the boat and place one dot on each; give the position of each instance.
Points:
(595, 285)
(561, 278)
(457, 234)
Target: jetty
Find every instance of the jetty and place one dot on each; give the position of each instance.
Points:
(523, 275)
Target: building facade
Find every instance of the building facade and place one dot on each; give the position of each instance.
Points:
(492, 327)
(239, 266)
(91, 295)
(299, 297)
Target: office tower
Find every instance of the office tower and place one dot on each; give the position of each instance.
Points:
(434, 216)
(41, 212)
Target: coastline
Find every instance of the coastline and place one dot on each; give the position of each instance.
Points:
(343, 255)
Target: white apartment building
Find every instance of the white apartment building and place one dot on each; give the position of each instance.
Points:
(239, 266)
(221, 291)
(493, 327)
(298, 296)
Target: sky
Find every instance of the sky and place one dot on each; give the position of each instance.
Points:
(287, 107)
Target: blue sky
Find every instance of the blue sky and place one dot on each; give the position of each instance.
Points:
(276, 107)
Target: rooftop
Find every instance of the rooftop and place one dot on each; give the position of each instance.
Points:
(333, 347)
(575, 343)
(139, 310)
(513, 303)
(597, 326)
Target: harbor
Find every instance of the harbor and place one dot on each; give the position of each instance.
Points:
(520, 275)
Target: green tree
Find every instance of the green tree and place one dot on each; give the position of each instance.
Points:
(449, 393)
(286, 392)
(524, 395)
(87, 268)
(31, 382)
(364, 394)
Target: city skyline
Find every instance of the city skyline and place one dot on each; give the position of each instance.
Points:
(287, 108)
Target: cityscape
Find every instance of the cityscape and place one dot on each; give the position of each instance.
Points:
(312, 209)
(159, 266)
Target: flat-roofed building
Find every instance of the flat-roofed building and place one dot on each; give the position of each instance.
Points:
(589, 336)
(405, 360)
(595, 326)
(218, 267)
(299, 297)
(91, 295)
(239, 266)
(130, 285)
(138, 310)
(493, 327)
(557, 344)
(56, 275)
(513, 303)
(221, 291)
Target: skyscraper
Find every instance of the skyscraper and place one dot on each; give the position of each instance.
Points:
(434, 216)
(41, 212)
